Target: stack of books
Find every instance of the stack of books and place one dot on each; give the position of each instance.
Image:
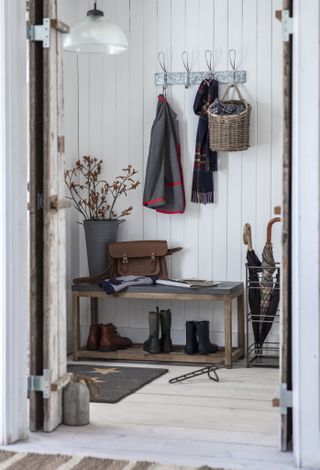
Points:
(187, 283)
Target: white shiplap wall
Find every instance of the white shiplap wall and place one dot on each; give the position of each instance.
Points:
(110, 104)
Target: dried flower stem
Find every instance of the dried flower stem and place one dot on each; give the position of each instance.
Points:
(89, 196)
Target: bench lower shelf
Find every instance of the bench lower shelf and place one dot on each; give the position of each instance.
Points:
(136, 353)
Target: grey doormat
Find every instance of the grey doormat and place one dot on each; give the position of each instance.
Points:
(115, 383)
(22, 461)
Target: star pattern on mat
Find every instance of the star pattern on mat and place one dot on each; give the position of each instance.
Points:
(104, 371)
(96, 380)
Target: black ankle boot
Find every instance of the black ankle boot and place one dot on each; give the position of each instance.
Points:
(152, 345)
(165, 321)
(205, 347)
(191, 346)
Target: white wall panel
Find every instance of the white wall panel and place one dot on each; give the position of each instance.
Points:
(114, 115)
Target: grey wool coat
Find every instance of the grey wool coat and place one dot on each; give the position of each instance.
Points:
(164, 189)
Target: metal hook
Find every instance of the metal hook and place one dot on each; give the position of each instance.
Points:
(185, 61)
(209, 61)
(161, 60)
(232, 60)
(186, 66)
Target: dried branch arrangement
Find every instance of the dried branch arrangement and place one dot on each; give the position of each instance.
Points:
(94, 197)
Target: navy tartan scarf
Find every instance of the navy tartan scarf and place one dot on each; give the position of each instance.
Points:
(205, 161)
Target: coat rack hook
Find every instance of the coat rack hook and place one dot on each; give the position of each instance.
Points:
(185, 61)
(209, 59)
(232, 60)
(162, 63)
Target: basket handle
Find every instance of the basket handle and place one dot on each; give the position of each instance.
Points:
(233, 85)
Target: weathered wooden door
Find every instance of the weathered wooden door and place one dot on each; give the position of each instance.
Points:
(47, 218)
(286, 343)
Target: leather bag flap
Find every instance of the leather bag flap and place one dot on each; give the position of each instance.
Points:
(138, 249)
(138, 267)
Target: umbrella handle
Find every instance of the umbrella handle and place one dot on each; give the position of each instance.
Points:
(247, 236)
(269, 228)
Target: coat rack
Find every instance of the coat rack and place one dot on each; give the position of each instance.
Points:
(189, 78)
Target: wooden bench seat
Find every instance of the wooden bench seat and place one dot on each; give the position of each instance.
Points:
(224, 292)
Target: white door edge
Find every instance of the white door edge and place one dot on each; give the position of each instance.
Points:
(306, 234)
(14, 292)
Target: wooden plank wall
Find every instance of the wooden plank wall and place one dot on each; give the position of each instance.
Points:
(110, 105)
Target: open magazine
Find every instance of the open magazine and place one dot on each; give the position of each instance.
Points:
(187, 283)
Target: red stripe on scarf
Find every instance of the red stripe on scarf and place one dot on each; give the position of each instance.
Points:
(153, 201)
(175, 183)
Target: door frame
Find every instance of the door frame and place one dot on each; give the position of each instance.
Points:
(47, 219)
(14, 285)
(286, 267)
(306, 233)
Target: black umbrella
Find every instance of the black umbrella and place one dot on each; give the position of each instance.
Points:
(254, 267)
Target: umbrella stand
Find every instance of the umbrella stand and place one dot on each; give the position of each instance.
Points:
(267, 354)
(263, 286)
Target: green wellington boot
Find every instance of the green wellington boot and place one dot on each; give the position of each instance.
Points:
(152, 345)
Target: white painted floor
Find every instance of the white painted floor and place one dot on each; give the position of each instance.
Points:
(229, 424)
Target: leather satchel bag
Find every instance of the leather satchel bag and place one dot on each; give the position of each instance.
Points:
(140, 258)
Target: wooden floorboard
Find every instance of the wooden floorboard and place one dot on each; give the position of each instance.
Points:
(229, 424)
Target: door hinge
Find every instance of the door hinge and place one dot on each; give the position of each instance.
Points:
(285, 399)
(39, 201)
(40, 32)
(40, 383)
(287, 23)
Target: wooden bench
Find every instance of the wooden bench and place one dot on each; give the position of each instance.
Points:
(224, 292)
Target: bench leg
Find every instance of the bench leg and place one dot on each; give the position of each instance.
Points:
(94, 311)
(228, 332)
(241, 333)
(75, 326)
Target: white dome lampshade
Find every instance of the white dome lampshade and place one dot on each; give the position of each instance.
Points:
(95, 34)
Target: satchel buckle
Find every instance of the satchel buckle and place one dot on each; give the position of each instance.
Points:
(124, 259)
(153, 257)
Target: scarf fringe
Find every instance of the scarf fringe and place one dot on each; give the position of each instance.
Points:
(202, 198)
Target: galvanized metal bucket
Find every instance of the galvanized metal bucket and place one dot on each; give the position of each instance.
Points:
(99, 233)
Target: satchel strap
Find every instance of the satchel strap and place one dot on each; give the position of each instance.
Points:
(174, 250)
(94, 279)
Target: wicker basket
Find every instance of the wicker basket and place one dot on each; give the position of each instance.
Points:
(230, 133)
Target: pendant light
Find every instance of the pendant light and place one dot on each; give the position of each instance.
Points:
(95, 34)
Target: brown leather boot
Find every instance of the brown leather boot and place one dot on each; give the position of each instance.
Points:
(93, 340)
(111, 340)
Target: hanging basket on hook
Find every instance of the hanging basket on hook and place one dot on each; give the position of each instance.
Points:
(229, 132)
